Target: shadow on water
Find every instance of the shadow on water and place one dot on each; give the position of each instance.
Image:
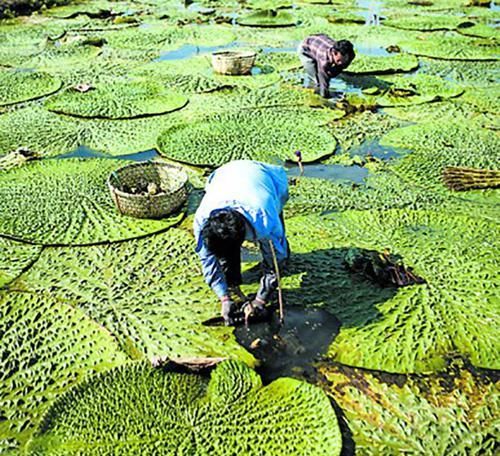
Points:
(87, 152)
(334, 296)
(334, 173)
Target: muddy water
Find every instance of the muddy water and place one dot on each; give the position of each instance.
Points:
(335, 173)
(292, 349)
(87, 152)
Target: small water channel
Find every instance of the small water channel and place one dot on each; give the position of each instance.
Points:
(335, 173)
(87, 152)
(372, 148)
(292, 349)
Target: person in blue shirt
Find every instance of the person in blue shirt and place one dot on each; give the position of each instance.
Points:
(243, 200)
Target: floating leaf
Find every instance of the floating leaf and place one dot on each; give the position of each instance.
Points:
(67, 201)
(15, 258)
(398, 63)
(232, 413)
(20, 86)
(268, 18)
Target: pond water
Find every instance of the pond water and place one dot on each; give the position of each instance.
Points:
(290, 350)
(371, 11)
(87, 152)
(336, 173)
(372, 148)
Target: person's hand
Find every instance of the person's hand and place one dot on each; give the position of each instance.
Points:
(227, 307)
(254, 307)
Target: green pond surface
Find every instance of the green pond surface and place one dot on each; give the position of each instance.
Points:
(96, 306)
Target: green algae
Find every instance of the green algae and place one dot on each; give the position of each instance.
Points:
(117, 100)
(149, 293)
(411, 329)
(258, 134)
(449, 414)
(67, 202)
(191, 414)
(22, 86)
(47, 346)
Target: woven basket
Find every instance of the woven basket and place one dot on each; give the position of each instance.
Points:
(233, 62)
(170, 180)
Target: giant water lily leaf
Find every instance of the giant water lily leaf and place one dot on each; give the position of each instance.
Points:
(479, 30)
(439, 144)
(46, 346)
(485, 99)
(420, 88)
(67, 201)
(453, 414)
(258, 134)
(15, 258)
(410, 329)
(230, 413)
(148, 293)
(96, 8)
(427, 22)
(52, 134)
(398, 63)
(117, 100)
(268, 18)
(447, 47)
(20, 86)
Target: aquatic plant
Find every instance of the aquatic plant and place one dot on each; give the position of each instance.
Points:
(427, 22)
(117, 100)
(148, 293)
(165, 412)
(67, 202)
(21, 86)
(46, 346)
(258, 134)
(15, 258)
(453, 413)
(397, 63)
(268, 18)
(417, 327)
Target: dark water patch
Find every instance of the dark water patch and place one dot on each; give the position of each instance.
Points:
(372, 148)
(292, 349)
(335, 173)
(87, 152)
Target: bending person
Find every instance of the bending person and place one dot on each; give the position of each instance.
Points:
(244, 200)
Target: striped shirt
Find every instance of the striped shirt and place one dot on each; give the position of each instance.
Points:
(319, 48)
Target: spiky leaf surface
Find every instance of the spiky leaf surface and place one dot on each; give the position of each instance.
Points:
(426, 22)
(14, 258)
(258, 134)
(268, 18)
(20, 86)
(452, 414)
(46, 346)
(148, 293)
(52, 134)
(454, 47)
(229, 414)
(439, 144)
(410, 329)
(398, 63)
(117, 100)
(67, 201)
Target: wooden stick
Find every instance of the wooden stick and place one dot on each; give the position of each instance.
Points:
(280, 296)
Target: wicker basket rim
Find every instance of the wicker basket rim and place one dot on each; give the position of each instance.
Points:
(234, 54)
(159, 195)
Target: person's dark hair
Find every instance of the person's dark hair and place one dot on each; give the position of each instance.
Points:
(346, 49)
(223, 231)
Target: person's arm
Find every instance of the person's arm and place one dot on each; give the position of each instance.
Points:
(324, 80)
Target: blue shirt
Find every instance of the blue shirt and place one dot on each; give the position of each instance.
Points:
(258, 192)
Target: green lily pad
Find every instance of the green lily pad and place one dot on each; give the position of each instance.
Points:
(480, 31)
(52, 134)
(258, 134)
(97, 9)
(461, 72)
(23, 85)
(455, 47)
(439, 144)
(450, 414)
(426, 22)
(47, 346)
(188, 413)
(281, 61)
(117, 100)
(413, 328)
(16, 257)
(67, 201)
(268, 18)
(149, 293)
(398, 63)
